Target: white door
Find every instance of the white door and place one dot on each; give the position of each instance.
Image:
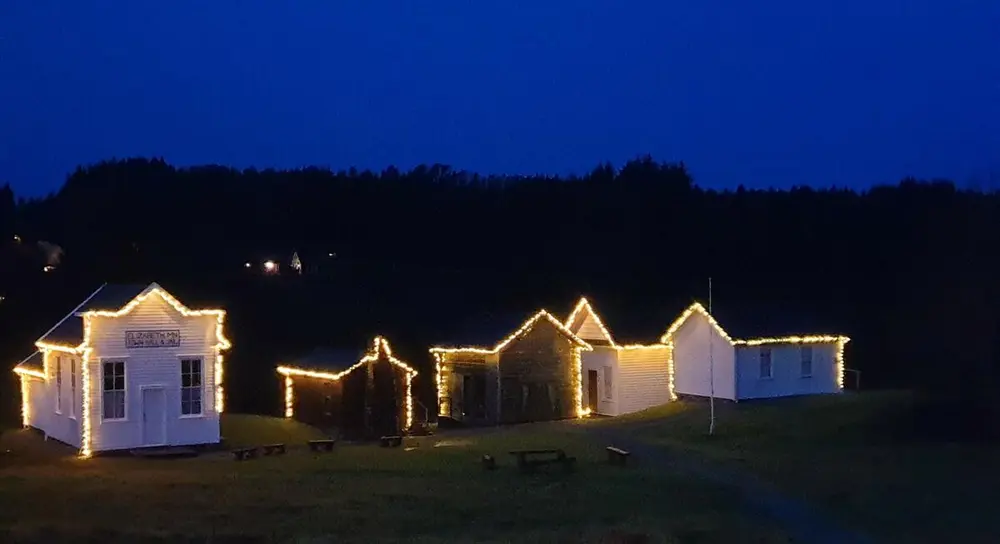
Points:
(154, 416)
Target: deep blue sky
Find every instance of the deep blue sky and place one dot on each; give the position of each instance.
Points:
(764, 92)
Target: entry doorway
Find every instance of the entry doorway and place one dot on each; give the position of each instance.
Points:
(592, 390)
(154, 416)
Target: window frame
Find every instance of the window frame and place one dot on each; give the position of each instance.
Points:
(72, 387)
(200, 387)
(59, 384)
(770, 363)
(608, 376)
(803, 360)
(124, 390)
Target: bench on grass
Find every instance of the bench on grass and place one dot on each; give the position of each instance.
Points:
(617, 456)
(243, 454)
(321, 445)
(274, 449)
(528, 460)
(391, 441)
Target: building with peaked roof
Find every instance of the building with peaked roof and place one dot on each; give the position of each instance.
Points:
(129, 367)
(360, 394)
(619, 378)
(532, 374)
(708, 361)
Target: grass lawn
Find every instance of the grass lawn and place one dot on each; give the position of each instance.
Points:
(431, 490)
(846, 453)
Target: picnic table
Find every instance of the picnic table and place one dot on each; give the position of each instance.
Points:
(528, 460)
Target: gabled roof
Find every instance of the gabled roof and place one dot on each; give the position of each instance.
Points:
(32, 365)
(642, 332)
(525, 327)
(329, 359)
(379, 348)
(116, 300)
(108, 297)
(765, 323)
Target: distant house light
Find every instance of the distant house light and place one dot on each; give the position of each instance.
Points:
(246, 265)
(48, 268)
(270, 267)
(17, 239)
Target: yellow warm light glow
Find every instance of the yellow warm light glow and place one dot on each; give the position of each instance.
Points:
(29, 372)
(810, 339)
(289, 397)
(518, 333)
(579, 345)
(584, 305)
(85, 349)
(25, 401)
(439, 381)
(380, 348)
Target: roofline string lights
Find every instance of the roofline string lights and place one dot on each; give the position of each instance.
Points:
(579, 345)
(380, 347)
(85, 349)
(584, 304)
(839, 340)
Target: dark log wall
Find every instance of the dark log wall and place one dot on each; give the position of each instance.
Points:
(476, 370)
(318, 402)
(538, 376)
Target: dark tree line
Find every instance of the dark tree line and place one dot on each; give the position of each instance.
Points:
(909, 272)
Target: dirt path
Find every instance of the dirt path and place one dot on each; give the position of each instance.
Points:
(803, 522)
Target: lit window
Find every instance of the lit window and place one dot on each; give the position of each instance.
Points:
(113, 388)
(191, 387)
(765, 362)
(807, 361)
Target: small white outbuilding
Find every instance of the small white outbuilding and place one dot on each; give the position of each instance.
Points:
(707, 361)
(619, 378)
(129, 367)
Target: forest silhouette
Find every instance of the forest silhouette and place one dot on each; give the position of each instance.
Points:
(909, 272)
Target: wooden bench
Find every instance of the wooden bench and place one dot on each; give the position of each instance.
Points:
(391, 441)
(243, 454)
(271, 449)
(321, 445)
(528, 460)
(617, 456)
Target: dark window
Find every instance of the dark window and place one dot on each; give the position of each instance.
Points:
(765, 362)
(191, 387)
(114, 390)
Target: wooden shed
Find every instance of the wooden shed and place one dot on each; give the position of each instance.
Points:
(358, 394)
(533, 374)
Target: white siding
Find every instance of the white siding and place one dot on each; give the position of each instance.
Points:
(600, 360)
(691, 360)
(59, 426)
(643, 378)
(786, 371)
(153, 367)
(589, 329)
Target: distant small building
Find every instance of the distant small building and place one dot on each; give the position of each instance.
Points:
(129, 367)
(708, 361)
(619, 377)
(361, 394)
(534, 374)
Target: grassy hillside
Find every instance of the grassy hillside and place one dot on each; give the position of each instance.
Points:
(432, 490)
(860, 455)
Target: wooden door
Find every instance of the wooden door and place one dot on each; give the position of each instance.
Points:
(592, 390)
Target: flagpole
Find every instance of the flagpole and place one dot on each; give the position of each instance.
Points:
(711, 368)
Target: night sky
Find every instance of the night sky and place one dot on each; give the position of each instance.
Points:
(768, 92)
